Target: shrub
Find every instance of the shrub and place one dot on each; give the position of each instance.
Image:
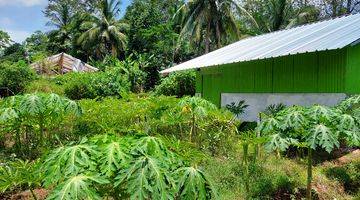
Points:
(348, 175)
(112, 82)
(14, 77)
(44, 85)
(177, 84)
(157, 116)
(78, 86)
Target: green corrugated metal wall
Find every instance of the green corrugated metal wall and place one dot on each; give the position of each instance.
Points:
(352, 80)
(335, 71)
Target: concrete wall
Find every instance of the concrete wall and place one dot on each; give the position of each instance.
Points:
(258, 102)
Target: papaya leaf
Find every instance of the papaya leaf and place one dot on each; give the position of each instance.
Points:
(147, 178)
(193, 184)
(69, 161)
(279, 142)
(113, 156)
(8, 114)
(78, 187)
(324, 137)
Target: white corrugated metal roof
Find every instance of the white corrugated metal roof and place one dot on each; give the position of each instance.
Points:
(325, 35)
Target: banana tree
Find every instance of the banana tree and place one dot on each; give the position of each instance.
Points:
(196, 108)
(313, 127)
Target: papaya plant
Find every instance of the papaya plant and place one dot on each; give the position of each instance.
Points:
(19, 175)
(313, 127)
(34, 113)
(248, 139)
(107, 166)
(196, 109)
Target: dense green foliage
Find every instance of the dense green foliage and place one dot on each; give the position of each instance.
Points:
(128, 168)
(314, 127)
(33, 121)
(14, 77)
(177, 84)
(111, 82)
(114, 141)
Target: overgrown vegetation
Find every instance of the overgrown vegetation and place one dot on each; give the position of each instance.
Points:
(126, 132)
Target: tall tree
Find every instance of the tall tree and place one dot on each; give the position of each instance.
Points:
(153, 34)
(104, 32)
(63, 16)
(274, 15)
(4, 40)
(207, 19)
(334, 8)
(36, 43)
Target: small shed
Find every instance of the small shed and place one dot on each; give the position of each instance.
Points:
(317, 63)
(60, 64)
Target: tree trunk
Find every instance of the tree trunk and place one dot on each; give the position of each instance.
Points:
(218, 35)
(309, 174)
(41, 125)
(207, 38)
(113, 51)
(246, 167)
(193, 127)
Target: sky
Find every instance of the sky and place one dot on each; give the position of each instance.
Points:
(20, 18)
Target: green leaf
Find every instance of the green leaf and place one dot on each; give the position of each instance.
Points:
(8, 114)
(294, 118)
(113, 156)
(78, 187)
(69, 161)
(72, 107)
(147, 177)
(278, 142)
(346, 122)
(32, 104)
(269, 125)
(193, 184)
(320, 113)
(324, 137)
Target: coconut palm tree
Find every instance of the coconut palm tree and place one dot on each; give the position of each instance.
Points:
(274, 15)
(103, 31)
(206, 19)
(60, 14)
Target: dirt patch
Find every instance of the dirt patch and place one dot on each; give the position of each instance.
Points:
(41, 194)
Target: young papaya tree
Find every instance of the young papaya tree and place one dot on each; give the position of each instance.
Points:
(196, 108)
(121, 168)
(36, 111)
(313, 127)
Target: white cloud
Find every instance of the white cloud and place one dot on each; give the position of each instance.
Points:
(27, 3)
(18, 36)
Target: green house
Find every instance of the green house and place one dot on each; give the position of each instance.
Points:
(318, 63)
